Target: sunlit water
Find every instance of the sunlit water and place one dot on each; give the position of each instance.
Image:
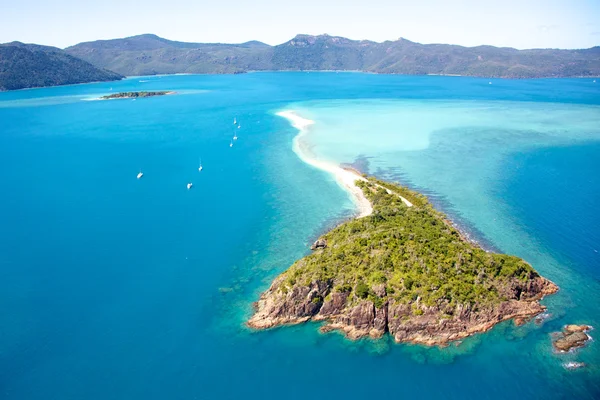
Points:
(113, 287)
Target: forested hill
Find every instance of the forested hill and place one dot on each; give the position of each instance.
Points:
(30, 65)
(150, 54)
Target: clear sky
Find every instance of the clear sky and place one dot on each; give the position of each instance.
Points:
(514, 23)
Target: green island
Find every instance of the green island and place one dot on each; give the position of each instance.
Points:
(135, 95)
(403, 270)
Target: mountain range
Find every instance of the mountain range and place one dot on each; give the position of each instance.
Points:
(32, 65)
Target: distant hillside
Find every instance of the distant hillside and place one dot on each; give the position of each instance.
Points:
(150, 54)
(406, 57)
(29, 65)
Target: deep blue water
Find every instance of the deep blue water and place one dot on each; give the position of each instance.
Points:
(561, 182)
(113, 287)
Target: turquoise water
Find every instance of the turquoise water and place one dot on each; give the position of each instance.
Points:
(113, 287)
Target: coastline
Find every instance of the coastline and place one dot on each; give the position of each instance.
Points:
(129, 77)
(346, 178)
(65, 85)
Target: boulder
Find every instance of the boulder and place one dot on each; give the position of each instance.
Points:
(319, 244)
(379, 290)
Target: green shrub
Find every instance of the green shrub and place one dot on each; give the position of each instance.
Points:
(362, 290)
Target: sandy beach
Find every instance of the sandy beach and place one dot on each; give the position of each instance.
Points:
(344, 177)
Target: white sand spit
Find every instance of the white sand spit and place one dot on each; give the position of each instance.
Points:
(345, 178)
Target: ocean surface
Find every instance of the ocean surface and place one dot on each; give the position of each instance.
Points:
(117, 288)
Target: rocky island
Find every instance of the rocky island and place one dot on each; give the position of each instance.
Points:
(404, 270)
(571, 337)
(135, 95)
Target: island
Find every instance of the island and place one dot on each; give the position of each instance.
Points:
(135, 95)
(401, 268)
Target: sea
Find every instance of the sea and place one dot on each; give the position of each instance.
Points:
(113, 287)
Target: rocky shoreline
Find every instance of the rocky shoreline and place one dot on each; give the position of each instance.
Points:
(365, 319)
(296, 297)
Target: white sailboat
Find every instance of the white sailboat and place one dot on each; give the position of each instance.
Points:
(231, 144)
(235, 136)
(234, 121)
(200, 167)
(189, 185)
(140, 174)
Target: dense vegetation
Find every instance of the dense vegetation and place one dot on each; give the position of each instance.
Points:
(413, 252)
(150, 54)
(27, 66)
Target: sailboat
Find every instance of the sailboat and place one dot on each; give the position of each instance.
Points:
(235, 136)
(234, 121)
(200, 167)
(231, 144)
(189, 185)
(140, 174)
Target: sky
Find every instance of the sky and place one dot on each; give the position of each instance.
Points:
(511, 23)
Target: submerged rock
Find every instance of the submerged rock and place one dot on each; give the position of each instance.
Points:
(573, 365)
(539, 320)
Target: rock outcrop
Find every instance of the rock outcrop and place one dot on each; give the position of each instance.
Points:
(571, 337)
(319, 244)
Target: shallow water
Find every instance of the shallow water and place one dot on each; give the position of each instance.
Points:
(112, 287)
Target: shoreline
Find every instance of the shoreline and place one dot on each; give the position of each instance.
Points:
(344, 177)
(130, 77)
